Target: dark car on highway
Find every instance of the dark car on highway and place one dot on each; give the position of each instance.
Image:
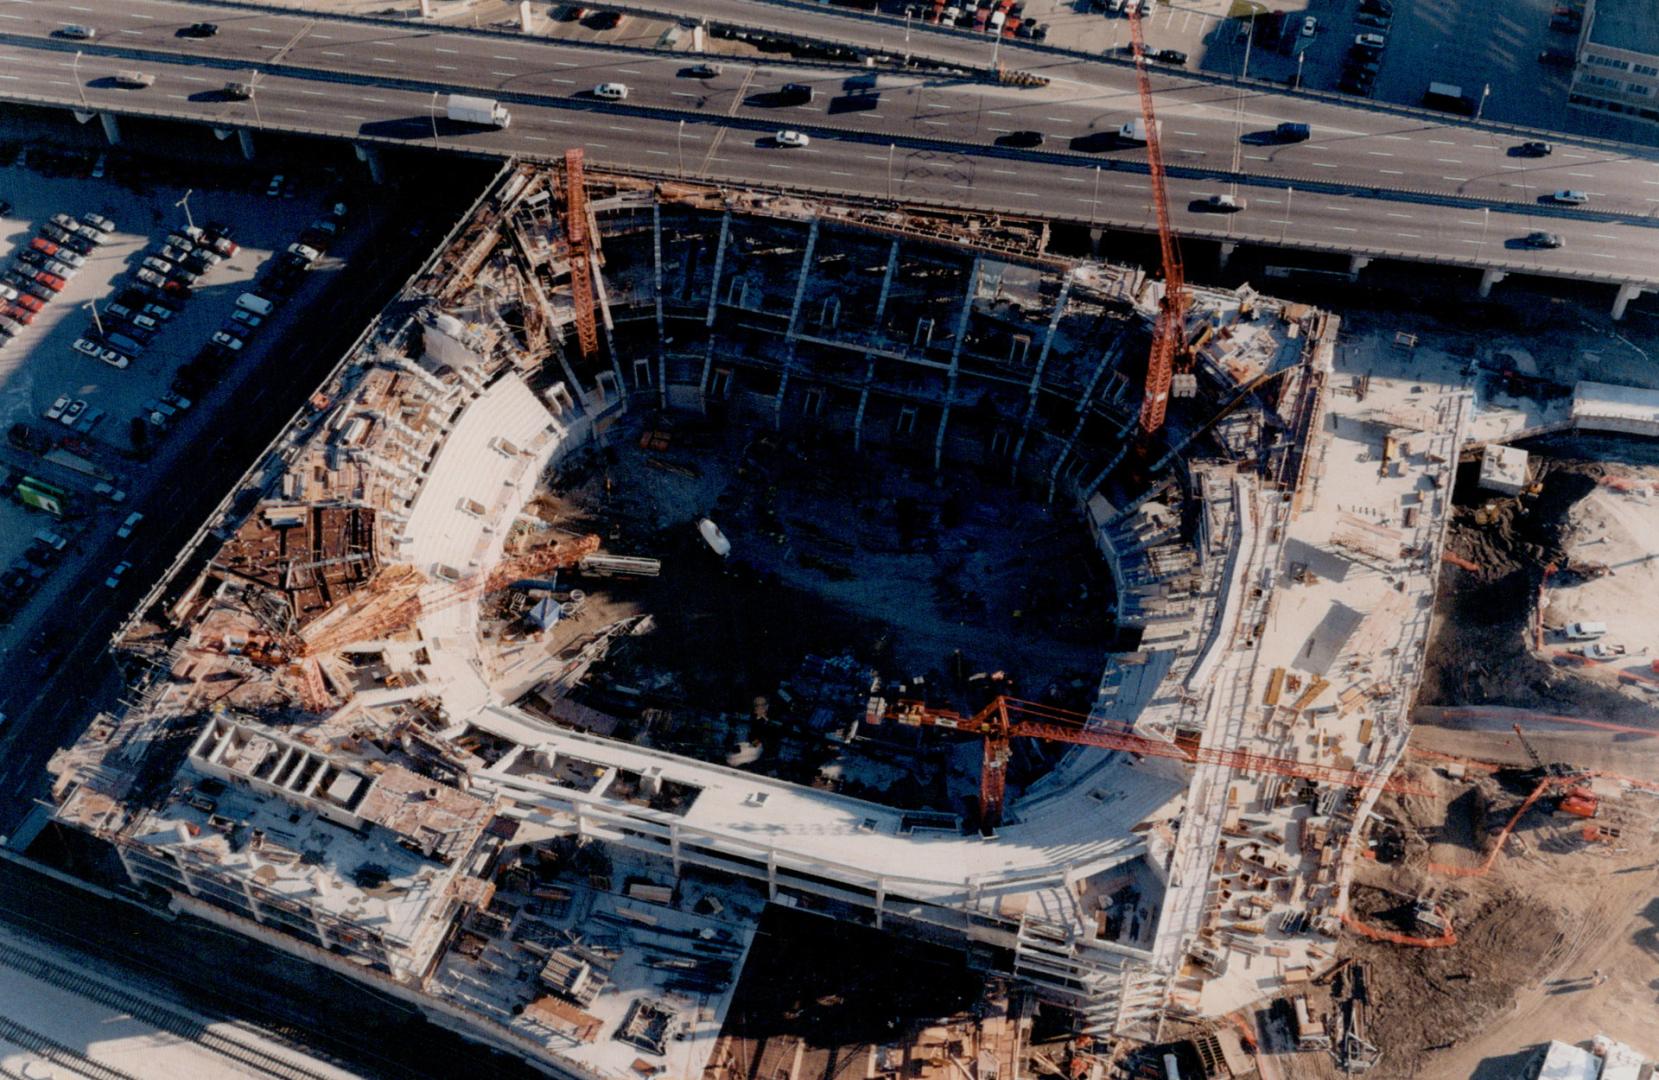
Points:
(1543, 240)
(200, 30)
(1024, 140)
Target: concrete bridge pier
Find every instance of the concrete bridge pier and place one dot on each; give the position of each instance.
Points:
(1226, 253)
(370, 156)
(1627, 293)
(245, 138)
(1489, 278)
(1356, 263)
(112, 127)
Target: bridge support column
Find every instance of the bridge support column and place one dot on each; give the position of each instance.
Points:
(1627, 293)
(1356, 263)
(245, 138)
(1094, 240)
(1489, 278)
(112, 127)
(426, 9)
(1226, 255)
(524, 16)
(370, 156)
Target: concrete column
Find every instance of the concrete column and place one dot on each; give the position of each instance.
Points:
(1489, 278)
(1356, 263)
(426, 9)
(1627, 293)
(656, 292)
(714, 303)
(370, 156)
(112, 127)
(524, 16)
(1094, 240)
(1227, 249)
(956, 361)
(245, 137)
(1033, 391)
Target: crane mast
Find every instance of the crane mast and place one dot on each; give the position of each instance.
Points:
(1168, 338)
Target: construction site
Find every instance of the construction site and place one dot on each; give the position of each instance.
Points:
(715, 632)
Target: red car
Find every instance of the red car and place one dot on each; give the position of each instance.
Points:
(51, 281)
(21, 314)
(44, 246)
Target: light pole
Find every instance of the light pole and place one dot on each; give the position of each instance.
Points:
(679, 147)
(432, 111)
(891, 147)
(1301, 56)
(80, 87)
(92, 306)
(1250, 39)
(253, 98)
(185, 202)
(1485, 220)
(1094, 203)
(1485, 92)
(1285, 224)
(996, 47)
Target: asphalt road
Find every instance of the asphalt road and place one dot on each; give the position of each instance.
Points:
(722, 148)
(1205, 125)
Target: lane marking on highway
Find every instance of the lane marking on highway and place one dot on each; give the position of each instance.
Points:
(319, 37)
(1186, 133)
(59, 82)
(565, 63)
(1004, 172)
(1256, 157)
(658, 153)
(1472, 241)
(998, 112)
(19, 18)
(1512, 168)
(629, 71)
(376, 100)
(439, 48)
(1441, 142)
(138, 33)
(600, 145)
(1322, 164)
(556, 120)
(382, 60)
(772, 165)
(1604, 236)
(566, 82)
(146, 18)
(1448, 161)
(676, 93)
(618, 127)
(834, 172)
(875, 157)
(290, 108)
(1066, 120)
(1074, 180)
(251, 29)
(1414, 236)
(937, 123)
(497, 56)
(1459, 179)
(1398, 138)
(504, 74)
(313, 93)
(336, 53)
(1603, 255)
(181, 97)
(354, 116)
(939, 105)
(1392, 172)
(1380, 153)
(1392, 214)
(1591, 175)
(1651, 183)
(1342, 228)
(446, 67)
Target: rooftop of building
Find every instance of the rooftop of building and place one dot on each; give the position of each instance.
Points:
(1628, 25)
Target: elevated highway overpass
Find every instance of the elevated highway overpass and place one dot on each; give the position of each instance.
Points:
(1367, 185)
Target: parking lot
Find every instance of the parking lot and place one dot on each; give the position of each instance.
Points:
(88, 441)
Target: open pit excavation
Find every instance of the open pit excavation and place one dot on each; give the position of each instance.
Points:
(651, 560)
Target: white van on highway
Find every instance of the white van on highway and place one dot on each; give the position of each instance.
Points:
(613, 91)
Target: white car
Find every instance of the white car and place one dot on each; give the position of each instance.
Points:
(129, 525)
(99, 221)
(613, 91)
(792, 138)
(73, 258)
(1571, 197)
(137, 80)
(305, 251)
(1310, 26)
(114, 578)
(114, 359)
(72, 412)
(229, 341)
(7, 293)
(1372, 42)
(78, 32)
(275, 187)
(56, 411)
(87, 348)
(60, 268)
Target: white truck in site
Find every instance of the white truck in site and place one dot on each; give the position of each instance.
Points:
(486, 112)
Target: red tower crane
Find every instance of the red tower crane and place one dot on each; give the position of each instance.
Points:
(581, 253)
(1006, 718)
(1169, 337)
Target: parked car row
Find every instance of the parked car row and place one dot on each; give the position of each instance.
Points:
(1364, 60)
(41, 270)
(1005, 17)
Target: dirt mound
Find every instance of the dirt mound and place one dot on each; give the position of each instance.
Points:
(1428, 999)
(1478, 654)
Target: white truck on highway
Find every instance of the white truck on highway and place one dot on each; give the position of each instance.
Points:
(477, 110)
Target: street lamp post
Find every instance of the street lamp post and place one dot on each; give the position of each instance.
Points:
(1285, 224)
(432, 111)
(80, 87)
(1485, 220)
(1485, 92)
(1301, 56)
(679, 147)
(891, 147)
(1094, 203)
(253, 98)
(185, 202)
(92, 306)
(1249, 39)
